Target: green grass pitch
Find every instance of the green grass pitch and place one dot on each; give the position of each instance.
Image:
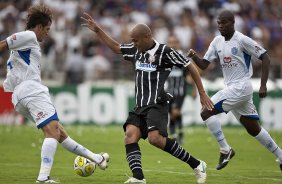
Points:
(253, 164)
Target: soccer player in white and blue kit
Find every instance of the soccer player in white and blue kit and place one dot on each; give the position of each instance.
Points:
(234, 51)
(31, 98)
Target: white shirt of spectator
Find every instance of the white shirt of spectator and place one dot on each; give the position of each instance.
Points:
(24, 61)
(234, 56)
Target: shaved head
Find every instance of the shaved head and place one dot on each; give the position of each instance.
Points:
(225, 22)
(226, 15)
(142, 38)
(141, 30)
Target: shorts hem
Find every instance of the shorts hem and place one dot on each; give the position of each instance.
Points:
(42, 124)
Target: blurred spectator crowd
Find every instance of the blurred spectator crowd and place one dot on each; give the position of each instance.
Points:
(72, 54)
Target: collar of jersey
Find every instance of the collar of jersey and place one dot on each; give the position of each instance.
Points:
(154, 49)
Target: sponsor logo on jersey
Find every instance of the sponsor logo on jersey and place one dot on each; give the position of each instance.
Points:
(227, 59)
(148, 67)
(227, 63)
(234, 50)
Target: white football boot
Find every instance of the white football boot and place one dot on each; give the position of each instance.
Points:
(136, 181)
(200, 172)
(104, 163)
(48, 180)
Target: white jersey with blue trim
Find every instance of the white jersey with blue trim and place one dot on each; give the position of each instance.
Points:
(24, 61)
(234, 56)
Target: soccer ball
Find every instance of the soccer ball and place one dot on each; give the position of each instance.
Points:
(83, 166)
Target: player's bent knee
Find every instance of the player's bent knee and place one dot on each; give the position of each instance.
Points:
(252, 125)
(156, 139)
(52, 130)
(204, 115)
(131, 137)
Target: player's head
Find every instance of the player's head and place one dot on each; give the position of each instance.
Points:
(39, 20)
(225, 22)
(173, 42)
(141, 36)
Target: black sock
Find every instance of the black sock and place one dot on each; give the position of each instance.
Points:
(177, 151)
(133, 157)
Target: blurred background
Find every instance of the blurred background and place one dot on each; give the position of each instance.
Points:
(90, 84)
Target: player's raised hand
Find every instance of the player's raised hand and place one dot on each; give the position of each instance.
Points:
(262, 91)
(89, 22)
(206, 101)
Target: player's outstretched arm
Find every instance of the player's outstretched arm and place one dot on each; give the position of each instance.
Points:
(199, 62)
(204, 98)
(3, 45)
(92, 25)
(264, 75)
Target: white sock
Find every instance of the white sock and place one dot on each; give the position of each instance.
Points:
(48, 151)
(265, 139)
(78, 149)
(214, 125)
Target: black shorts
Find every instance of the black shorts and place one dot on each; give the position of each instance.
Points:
(176, 102)
(149, 118)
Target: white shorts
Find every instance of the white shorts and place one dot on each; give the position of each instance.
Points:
(35, 105)
(232, 99)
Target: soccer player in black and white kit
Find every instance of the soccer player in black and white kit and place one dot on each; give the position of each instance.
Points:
(177, 84)
(153, 62)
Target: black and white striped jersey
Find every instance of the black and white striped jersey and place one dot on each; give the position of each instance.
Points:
(176, 82)
(151, 70)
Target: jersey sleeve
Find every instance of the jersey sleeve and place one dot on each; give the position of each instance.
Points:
(251, 47)
(21, 40)
(128, 51)
(211, 53)
(175, 58)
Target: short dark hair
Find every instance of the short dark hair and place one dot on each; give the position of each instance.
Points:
(38, 14)
(227, 15)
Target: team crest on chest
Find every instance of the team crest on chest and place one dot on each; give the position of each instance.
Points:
(151, 59)
(234, 50)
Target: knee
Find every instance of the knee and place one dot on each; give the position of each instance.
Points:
(131, 136)
(156, 139)
(253, 131)
(204, 115)
(51, 130)
(252, 126)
